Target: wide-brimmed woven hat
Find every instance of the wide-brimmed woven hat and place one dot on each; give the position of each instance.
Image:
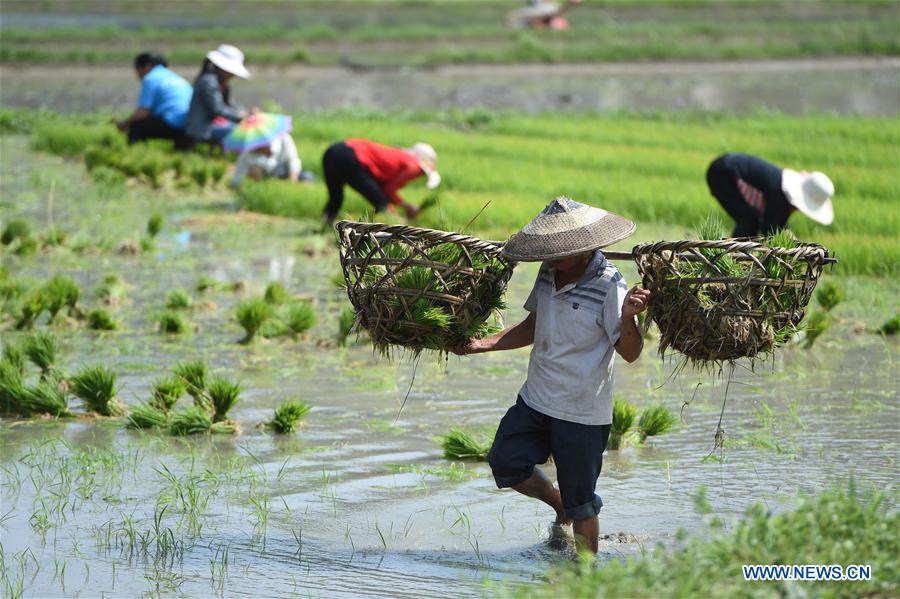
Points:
(564, 228)
(230, 59)
(427, 158)
(810, 193)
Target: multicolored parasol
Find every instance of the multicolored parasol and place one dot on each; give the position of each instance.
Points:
(256, 131)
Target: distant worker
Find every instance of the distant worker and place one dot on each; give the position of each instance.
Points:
(541, 14)
(377, 172)
(276, 159)
(760, 196)
(163, 104)
(213, 113)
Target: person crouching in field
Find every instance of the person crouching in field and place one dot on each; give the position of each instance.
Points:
(276, 159)
(377, 172)
(760, 196)
(162, 107)
(580, 314)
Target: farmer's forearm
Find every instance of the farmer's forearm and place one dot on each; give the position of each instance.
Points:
(514, 337)
(139, 114)
(630, 342)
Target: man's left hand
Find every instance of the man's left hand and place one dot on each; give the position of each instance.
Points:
(636, 301)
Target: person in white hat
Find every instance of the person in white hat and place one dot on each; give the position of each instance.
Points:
(581, 313)
(761, 196)
(213, 113)
(377, 172)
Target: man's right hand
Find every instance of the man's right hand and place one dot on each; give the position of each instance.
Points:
(474, 346)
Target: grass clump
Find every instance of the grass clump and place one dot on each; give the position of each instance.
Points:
(42, 349)
(145, 415)
(194, 374)
(251, 315)
(166, 393)
(624, 414)
(179, 299)
(100, 320)
(276, 293)
(287, 415)
(891, 327)
(96, 387)
(829, 295)
(190, 421)
(173, 323)
(223, 395)
(462, 444)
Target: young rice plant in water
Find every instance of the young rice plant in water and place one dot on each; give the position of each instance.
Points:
(166, 393)
(462, 444)
(287, 415)
(147, 415)
(194, 374)
(173, 323)
(251, 315)
(223, 395)
(178, 299)
(100, 320)
(96, 387)
(42, 349)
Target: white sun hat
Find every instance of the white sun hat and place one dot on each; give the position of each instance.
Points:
(565, 228)
(810, 193)
(230, 59)
(427, 158)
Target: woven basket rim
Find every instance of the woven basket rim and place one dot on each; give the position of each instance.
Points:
(805, 250)
(471, 241)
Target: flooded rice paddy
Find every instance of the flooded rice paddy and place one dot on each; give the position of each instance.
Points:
(360, 501)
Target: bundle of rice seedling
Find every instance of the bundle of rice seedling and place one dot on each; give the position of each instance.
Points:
(172, 322)
(206, 283)
(193, 373)
(420, 288)
(100, 320)
(12, 388)
(44, 398)
(60, 292)
(146, 415)
(829, 295)
(96, 387)
(154, 225)
(112, 291)
(287, 415)
(190, 421)
(623, 417)
(42, 349)
(276, 293)
(814, 326)
(29, 310)
(299, 317)
(891, 327)
(178, 299)
(13, 355)
(346, 322)
(655, 420)
(461, 444)
(251, 315)
(717, 301)
(166, 393)
(15, 229)
(223, 395)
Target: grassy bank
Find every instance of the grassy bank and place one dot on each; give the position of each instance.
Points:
(839, 526)
(650, 168)
(430, 33)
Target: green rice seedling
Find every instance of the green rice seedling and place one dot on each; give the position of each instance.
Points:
(44, 398)
(251, 315)
(15, 229)
(152, 167)
(58, 293)
(206, 283)
(112, 291)
(96, 387)
(655, 420)
(26, 246)
(100, 320)
(194, 374)
(337, 279)
(108, 180)
(891, 327)
(173, 323)
(223, 395)
(624, 414)
(226, 427)
(54, 238)
(100, 156)
(217, 171)
(190, 421)
(815, 324)
(199, 173)
(13, 355)
(300, 317)
(42, 350)
(179, 299)
(166, 393)
(461, 444)
(276, 293)
(12, 388)
(346, 322)
(829, 295)
(29, 310)
(154, 225)
(287, 415)
(146, 415)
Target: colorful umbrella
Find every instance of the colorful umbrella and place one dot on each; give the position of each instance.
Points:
(256, 131)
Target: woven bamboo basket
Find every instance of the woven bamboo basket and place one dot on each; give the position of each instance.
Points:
(421, 288)
(718, 301)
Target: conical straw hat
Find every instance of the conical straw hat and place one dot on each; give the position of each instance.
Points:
(564, 228)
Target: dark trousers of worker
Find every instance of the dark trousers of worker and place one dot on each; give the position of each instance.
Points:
(722, 185)
(154, 127)
(341, 167)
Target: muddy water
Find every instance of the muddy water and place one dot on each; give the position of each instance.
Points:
(360, 502)
(864, 86)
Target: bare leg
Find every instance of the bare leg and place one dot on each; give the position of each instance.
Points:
(539, 486)
(586, 533)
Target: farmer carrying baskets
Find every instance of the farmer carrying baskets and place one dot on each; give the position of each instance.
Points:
(580, 311)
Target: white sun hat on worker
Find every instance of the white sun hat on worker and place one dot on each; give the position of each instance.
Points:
(810, 193)
(427, 158)
(230, 59)
(565, 228)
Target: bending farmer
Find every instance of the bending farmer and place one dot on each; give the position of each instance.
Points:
(760, 196)
(377, 172)
(163, 104)
(581, 314)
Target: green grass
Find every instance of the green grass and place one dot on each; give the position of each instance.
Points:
(463, 444)
(837, 526)
(96, 387)
(287, 416)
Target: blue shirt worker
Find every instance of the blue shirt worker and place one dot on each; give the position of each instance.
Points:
(581, 313)
(163, 104)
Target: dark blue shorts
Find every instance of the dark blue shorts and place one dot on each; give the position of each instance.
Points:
(527, 437)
